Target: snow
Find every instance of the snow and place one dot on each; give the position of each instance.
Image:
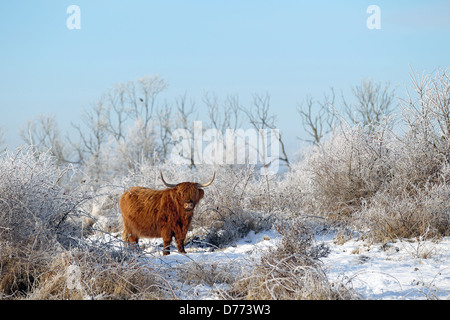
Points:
(406, 270)
(244, 250)
(397, 270)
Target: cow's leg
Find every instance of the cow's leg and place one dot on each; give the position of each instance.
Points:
(180, 245)
(179, 237)
(167, 240)
(130, 239)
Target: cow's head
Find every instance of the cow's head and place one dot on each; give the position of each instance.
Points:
(188, 193)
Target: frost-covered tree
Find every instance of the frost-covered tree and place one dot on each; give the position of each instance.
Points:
(369, 105)
(120, 129)
(43, 135)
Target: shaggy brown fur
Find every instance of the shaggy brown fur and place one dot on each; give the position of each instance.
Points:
(149, 213)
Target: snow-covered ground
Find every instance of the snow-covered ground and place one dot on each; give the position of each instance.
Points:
(397, 270)
(244, 254)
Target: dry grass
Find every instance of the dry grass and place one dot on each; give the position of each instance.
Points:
(426, 214)
(20, 269)
(99, 275)
(79, 273)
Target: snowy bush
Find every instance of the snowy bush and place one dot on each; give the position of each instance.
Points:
(340, 173)
(291, 270)
(426, 214)
(34, 205)
(34, 217)
(415, 199)
(237, 202)
(392, 182)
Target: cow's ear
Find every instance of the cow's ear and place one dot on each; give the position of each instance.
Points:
(201, 193)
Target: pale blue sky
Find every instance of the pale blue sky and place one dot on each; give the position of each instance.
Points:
(287, 48)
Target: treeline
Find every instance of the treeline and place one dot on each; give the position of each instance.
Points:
(130, 124)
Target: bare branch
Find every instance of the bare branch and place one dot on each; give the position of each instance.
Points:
(373, 102)
(318, 124)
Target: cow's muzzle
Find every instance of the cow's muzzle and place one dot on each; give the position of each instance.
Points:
(189, 206)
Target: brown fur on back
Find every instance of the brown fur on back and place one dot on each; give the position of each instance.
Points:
(149, 213)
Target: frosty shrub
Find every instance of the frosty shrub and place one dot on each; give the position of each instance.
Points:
(344, 170)
(34, 217)
(425, 146)
(43, 254)
(391, 181)
(34, 207)
(238, 202)
(292, 270)
(425, 214)
(415, 200)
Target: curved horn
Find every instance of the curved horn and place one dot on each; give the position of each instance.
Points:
(164, 181)
(207, 184)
